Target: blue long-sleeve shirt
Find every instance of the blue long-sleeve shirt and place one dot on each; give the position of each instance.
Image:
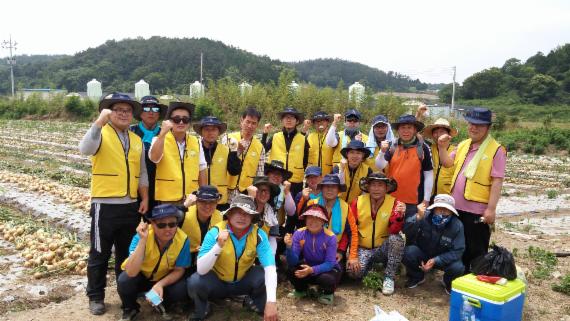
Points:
(317, 250)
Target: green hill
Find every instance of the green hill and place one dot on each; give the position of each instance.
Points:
(169, 65)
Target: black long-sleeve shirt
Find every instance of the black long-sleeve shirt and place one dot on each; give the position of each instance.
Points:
(288, 141)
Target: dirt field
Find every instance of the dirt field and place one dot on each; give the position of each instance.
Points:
(44, 181)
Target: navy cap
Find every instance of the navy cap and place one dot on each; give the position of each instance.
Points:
(353, 113)
(210, 121)
(292, 111)
(321, 115)
(207, 193)
(313, 171)
(149, 100)
(108, 101)
(380, 119)
(479, 116)
(332, 179)
(164, 210)
(355, 145)
(408, 119)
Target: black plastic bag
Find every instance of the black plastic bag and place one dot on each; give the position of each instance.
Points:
(497, 262)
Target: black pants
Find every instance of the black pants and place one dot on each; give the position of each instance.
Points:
(111, 225)
(408, 229)
(327, 281)
(477, 237)
(129, 288)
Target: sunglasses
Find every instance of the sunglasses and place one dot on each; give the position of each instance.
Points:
(151, 109)
(178, 119)
(164, 225)
(352, 120)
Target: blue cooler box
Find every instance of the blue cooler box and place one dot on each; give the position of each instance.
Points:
(491, 302)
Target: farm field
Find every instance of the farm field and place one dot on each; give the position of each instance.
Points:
(44, 232)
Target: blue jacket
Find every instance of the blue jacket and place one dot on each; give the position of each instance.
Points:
(446, 244)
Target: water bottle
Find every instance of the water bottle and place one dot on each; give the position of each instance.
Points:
(467, 311)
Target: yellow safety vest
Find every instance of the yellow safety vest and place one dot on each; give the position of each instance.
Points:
(152, 256)
(218, 171)
(441, 175)
(192, 228)
(478, 188)
(353, 183)
(337, 156)
(344, 217)
(372, 233)
(115, 174)
(175, 177)
(320, 154)
(250, 161)
(228, 266)
(292, 158)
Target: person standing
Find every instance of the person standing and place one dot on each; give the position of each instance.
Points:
(339, 140)
(118, 177)
(479, 163)
(320, 154)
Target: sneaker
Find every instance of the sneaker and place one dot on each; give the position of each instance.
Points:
(388, 286)
(97, 307)
(248, 304)
(327, 299)
(297, 294)
(129, 314)
(193, 317)
(413, 283)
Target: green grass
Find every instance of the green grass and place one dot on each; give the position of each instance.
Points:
(564, 286)
(545, 262)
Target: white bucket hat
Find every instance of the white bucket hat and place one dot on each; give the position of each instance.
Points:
(445, 201)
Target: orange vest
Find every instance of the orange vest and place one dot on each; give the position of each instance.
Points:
(406, 168)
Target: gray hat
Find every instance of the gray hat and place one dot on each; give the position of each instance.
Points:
(246, 203)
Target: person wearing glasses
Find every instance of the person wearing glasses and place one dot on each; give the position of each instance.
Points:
(119, 176)
(147, 129)
(159, 256)
(180, 163)
(320, 154)
(351, 132)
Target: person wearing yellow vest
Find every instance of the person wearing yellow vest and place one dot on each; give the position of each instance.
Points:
(441, 175)
(201, 216)
(479, 163)
(313, 177)
(119, 176)
(320, 154)
(341, 222)
(249, 149)
(289, 146)
(180, 163)
(264, 191)
(352, 168)
(226, 263)
(221, 161)
(379, 218)
(351, 132)
(409, 162)
(380, 131)
(159, 256)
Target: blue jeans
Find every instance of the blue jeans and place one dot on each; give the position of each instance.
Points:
(129, 288)
(413, 256)
(202, 288)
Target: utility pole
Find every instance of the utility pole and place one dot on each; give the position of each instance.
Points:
(11, 61)
(453, 90)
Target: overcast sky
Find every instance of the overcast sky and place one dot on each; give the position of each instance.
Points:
(423, 39)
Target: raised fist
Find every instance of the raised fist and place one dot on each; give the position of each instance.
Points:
(267, 128)
(252, 191)
(443, 140)
(358, 137)
(384, 146)
(190, 200)
(232, 144)
(306, 192)
(306, 124)
(142, 230)
(165, 127)
(336, 118)
(287, 188)
(223, 237)
(104, 117)
(421, 210)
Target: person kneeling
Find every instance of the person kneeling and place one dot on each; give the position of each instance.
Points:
(159, 255)
(440, 243)
(318, 264)
(226, 263)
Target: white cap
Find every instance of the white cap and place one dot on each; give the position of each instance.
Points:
(445, 201)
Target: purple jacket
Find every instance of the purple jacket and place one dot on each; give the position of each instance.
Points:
(317, 251)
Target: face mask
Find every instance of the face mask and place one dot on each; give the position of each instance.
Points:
(351, 132)
(439, 219)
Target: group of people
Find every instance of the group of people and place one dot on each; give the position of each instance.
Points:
(206, 216)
